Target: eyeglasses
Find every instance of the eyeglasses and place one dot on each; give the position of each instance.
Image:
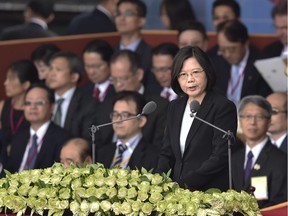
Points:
(252, 117)
(231, 49)
(125, 14)
(161, 69)
(35, 103)
(195, 73)
(277, 111)
(95, 66)
(123, 79)
(122, 115)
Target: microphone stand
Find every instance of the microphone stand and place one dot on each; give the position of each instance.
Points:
(229, 136)
(94, 129)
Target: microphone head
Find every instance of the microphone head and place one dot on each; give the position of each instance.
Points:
(194, 106)
(149, 108)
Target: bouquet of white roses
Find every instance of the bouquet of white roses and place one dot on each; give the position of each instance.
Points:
(99, 191)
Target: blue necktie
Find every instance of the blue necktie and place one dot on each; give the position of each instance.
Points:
(121, 148)
(248, 166)
(32, 154)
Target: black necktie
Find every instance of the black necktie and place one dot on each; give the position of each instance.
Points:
(248, 166)
(58, 113)
(121, 148)
(32, 154)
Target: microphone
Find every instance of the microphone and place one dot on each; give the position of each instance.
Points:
(194, 107)
(149, 108)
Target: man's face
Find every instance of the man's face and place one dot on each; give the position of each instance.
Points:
(221, 14)
(254, 123)
(96, 68)
(37, 109)
(123, 78)
(60, 78)
(232, 52)
(279, 119)
(127, 20)
(192, 38)
(128, 129)
(162, 65)
(280, 23)
(70, 154)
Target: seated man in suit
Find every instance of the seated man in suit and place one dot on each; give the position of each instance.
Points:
(38, 146)
(279, 120)
(131, 149)
(130, 17)
(162, 60)
(279, 47)
(236, 74)
(98, 21)
(222, 11)
(37, 15)
(126, 75)
(73, 108)
(76, 151)
(96, 57)
(259, 163)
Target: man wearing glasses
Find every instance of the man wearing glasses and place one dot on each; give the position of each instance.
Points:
(236, 74)
(38, 146)
(259, 163)
(131, 149)
(278, 127)
(130, 17)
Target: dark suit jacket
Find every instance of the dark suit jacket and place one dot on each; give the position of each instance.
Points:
(49, 153)
(204, 163)
(273, 164)
(283, 146)
(253, 83)
(272, 50)
(92, 22)
(24, 31)
(153, 131)
(79, 113)
(144, 155)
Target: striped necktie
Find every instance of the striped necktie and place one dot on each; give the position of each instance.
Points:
(32, 154)
(121, 149)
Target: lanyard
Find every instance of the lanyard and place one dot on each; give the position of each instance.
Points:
(14, 128)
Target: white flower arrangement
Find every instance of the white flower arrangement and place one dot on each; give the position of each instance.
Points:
(94, 189)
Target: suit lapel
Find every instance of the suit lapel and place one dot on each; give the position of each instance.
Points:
(238, 169)
(137, 155)
(202, 113)
(72, 109)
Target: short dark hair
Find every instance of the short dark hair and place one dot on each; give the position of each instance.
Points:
(25, 70)
(140, 6)
(44, 53)
(43, 8)
(103, 48)
(178, 11)
(131, 96)
(257, 100)
(279, 9)
(234, 31)
(166, 49)
(75, 63)
(229, 3)
(203, 60)
(193, 25)
(50, 92)
(132, 57)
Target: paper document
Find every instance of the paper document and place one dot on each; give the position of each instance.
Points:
(274, 71)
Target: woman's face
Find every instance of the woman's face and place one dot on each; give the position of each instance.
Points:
(193, 80)
(12, 85)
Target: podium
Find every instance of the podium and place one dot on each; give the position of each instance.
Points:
(276, 210)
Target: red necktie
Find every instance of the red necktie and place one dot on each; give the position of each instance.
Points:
(96, 94)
